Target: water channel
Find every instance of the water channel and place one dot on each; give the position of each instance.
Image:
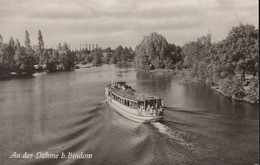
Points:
(65, 112)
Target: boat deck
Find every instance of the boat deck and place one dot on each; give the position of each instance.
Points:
(132, 95)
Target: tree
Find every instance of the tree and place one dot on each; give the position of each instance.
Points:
(27, 65)
(42, 57)
(51, 65)
(108, 54)
(197, 56)
(118, 53)
(1, 49)
(17, 54)
(7, 51)
(125, 55)
(10, 52)
(67, 57)
(238, 53)
(153, 50)
(113, 60)
(27, 43)
(97, 56)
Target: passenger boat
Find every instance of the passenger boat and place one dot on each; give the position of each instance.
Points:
(135, 106)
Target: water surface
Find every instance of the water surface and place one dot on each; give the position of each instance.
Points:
(66, 112)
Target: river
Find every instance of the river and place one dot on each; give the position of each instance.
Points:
(66, 112)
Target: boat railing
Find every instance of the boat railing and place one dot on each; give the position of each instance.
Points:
(121, 87)
(150, 111)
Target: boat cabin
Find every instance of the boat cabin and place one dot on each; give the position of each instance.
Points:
(127, 96)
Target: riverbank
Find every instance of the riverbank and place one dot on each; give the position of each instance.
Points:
(168, 72)
(247, 93)
(15, 76)
(246, 97)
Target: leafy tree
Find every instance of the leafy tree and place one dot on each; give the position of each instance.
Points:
(197, 56)
(51, 65)
(3, 66)
(97, 56)
(118, 53)
(154, 50)
(27, 63)
(125, 55)
(132, 55)
(108, 54)
(113, 60)
(232, 87)
(67, 57)
(238, 53)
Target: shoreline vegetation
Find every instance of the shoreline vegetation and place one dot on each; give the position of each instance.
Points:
(249, 95)
(230, 66)
(17, 61)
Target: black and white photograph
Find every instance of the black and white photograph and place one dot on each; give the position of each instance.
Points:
(129, 82)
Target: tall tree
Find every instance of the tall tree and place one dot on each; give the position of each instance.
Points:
(238, 53)
(10, 52)
(1, 49)
(197, 55)
(17, 55)
(27, 43)
(68, 57)
(41, 48)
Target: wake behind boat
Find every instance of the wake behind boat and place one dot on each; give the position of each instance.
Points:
(135, 106)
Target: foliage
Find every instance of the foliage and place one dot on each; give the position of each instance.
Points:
(238, 54)
(252, 94)
(97, 56)
(40, 52)
(51, 65)
(232, 87)
(67, 57)
(154, 50)
(107, 55)
(26, 65)
(196, 55)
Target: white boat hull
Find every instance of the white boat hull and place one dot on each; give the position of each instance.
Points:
(131, 113)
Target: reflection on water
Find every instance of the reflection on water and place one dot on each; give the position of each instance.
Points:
(66, 112)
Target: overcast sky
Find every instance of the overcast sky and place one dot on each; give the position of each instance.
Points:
(122, 22)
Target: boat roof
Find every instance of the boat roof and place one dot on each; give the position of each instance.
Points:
(132, 95)
(121, 83)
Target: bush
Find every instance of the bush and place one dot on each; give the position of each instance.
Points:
(233, 87)
(51, 66)
(252, 94)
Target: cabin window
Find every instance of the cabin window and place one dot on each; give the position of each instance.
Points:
(135, 104)
(159, 103)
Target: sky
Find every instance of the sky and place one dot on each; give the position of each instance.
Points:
(110, 23)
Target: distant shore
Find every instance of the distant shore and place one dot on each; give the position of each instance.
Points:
(15, 76)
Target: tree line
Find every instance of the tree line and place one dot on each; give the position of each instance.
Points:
(231, 63)
(26, 60)
(108, 55)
